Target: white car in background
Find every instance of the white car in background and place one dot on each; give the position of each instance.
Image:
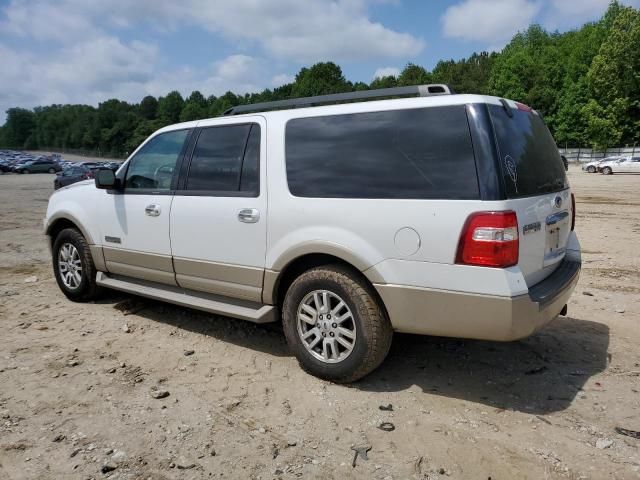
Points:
(621, 165)
(592, 167)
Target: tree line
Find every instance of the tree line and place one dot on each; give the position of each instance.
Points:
(585, 82)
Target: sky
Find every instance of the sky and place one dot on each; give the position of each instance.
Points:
(87, 51)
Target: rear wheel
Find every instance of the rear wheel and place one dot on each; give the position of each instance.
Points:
(52, 170)
(607, 170)
(73, 266)
(334, 324)
(24, 171)
(591, 169)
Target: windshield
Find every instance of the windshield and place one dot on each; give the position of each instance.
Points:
(530, 160)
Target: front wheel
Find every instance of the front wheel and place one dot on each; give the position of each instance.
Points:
(591, 169)
(24, 171)
(73, 266)
(607, 170)
(335, 325)
(52, 170)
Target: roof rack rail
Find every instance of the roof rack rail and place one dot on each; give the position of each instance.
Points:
(413, 90)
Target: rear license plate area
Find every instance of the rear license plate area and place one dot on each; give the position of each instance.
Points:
(556, 231)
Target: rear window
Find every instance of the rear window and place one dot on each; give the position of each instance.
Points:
(409, 154)
(531, 163)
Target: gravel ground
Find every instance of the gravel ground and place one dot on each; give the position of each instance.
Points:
(129, 388)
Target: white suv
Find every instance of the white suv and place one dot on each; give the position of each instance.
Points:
(440, 214)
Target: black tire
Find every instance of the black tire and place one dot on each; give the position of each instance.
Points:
(24, 171)
(591, 169)
(52, 170)
(373, 329)
(87, 289)
(607, 171)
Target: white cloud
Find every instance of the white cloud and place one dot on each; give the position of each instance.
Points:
(302, 30)
(569, 13)
(492, 22)
(281, 79)
(107, 68)
(386, 72)
(78, 51)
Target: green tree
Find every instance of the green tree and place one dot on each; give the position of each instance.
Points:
(614, 77)
(602, 126)
(469, 75)
(19, 126)
(149, 107)
(170, 107)
(320, 79)
(383, 82)
(195, 107)
(413, 75)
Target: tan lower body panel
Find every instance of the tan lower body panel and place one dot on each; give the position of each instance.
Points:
(465, 315)
(269, 288)
(146, 266)
(98, 257)
(220, 278)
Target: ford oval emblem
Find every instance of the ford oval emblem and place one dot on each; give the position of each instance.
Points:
(558, 201)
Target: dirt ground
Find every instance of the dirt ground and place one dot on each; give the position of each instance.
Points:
(77, 381)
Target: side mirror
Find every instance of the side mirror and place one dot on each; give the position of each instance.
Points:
(106, 179)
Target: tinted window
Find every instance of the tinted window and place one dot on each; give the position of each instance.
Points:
(226, 159)
(152, 167)
(419, 153)
(250, 178)
(530, 160)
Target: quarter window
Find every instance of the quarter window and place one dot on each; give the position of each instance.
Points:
(226, 160)
(416, 153)
(153, 166)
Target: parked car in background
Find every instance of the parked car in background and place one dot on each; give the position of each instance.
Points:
(72, 175)
(18, 164)
(5, 166)
(622, 165)
(38, 166)
(89, 164)
(592, 167)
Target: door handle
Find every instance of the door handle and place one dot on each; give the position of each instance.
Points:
(152, 210)
(249, 215)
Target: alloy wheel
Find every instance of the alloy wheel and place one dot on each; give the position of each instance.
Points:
(70, 266)
(326, 326)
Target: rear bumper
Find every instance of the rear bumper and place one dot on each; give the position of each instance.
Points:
(467, 315)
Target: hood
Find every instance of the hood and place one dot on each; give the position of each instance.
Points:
(82, 183)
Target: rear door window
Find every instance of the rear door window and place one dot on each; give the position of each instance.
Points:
(529, 157)
(410, 154)
(225, 161)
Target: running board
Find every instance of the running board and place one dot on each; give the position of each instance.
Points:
(207, 302)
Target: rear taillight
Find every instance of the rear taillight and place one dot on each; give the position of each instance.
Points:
(573, 212)
(489, 239)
